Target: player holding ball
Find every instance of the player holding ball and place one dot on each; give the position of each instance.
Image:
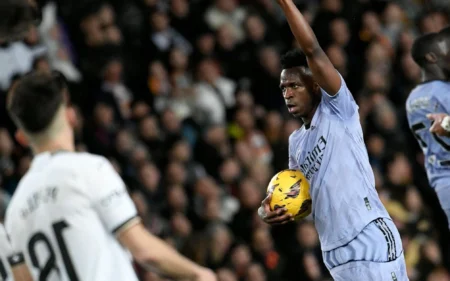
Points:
(358, 238)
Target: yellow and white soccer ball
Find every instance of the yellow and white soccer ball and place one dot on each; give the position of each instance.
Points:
(290, 189)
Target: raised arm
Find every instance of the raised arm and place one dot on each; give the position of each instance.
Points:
(322, 69)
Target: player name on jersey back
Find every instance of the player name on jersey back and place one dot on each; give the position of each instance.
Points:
(63, 216)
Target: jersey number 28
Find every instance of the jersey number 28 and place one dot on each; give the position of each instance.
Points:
(421, 126)
(46, 268)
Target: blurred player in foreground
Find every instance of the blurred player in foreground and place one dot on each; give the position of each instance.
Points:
(358, 238)
(71, 213)
(16, 18)
(12, 264)
(431, 100)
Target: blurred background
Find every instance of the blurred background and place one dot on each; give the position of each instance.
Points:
(182, 96)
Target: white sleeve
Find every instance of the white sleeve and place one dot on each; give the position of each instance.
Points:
(7, 251)
(110, 198)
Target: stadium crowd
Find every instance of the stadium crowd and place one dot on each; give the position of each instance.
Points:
(182, 96)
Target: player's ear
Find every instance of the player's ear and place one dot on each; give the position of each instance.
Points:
(316, 88)
(71, 116)
(431, 57)
(21, 138)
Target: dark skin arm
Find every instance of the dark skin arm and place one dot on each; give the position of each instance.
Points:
(275, 217)
(321, 67)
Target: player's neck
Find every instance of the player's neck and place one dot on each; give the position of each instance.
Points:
(432, 73)
(63, 142)
(307, 120)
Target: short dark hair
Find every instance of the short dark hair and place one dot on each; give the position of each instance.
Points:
(35, 100)
(293, 58)
(422, 46)
(16, 17)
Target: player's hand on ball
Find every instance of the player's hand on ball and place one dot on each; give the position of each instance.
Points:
(274, 217)
(437, 128)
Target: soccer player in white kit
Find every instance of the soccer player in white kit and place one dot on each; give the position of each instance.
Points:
(71, 214)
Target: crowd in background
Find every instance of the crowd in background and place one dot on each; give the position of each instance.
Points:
(182, 96)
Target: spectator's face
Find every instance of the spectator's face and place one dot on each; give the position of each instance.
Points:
(32, 36)
(432, 253)
(221, 241)
(226, 38)
(249, 195)
(297, 89)
(140, 110)
(206, 44)
(181, 152)
(212, 209)
(334, 6)
(149, 129)
(371, 23)
(216, 135)
(375, 80)
(113, 35)
(262, 241)
(113, 72)
(255, 28)
(410, 68)
(244, 153)
(178, 59)
(290, 126)
(256, 273)
(375, 145)
(160, 21)
(176, 173)
(206, 188)
(181, 225)
(261, 174)
(241, 257)
(406, 41)
(338, 58)
(179, 8)
(245, 120)
(433, 22)
(413, 200)
(312, 267)
(274, 121)
(208, 71)
(149, 177)
(106, 15)
(139, 156)
(226, 6)
(393, 14)
(226, 275)
(170, 122)
(104, 115)
(230, 171)
(6, 143)
(244, 99)
(307, 235)
(124, 142)
(377, 54)
(177, 198)
(270, 60)
(399, 170)
(340, 32)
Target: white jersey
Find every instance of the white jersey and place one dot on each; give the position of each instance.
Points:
(5, 250)
(64, 216)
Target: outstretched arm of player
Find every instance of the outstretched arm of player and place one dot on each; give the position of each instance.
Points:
(322, 69)
(153, 253)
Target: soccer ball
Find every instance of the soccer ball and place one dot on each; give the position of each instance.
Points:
(290, 190)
